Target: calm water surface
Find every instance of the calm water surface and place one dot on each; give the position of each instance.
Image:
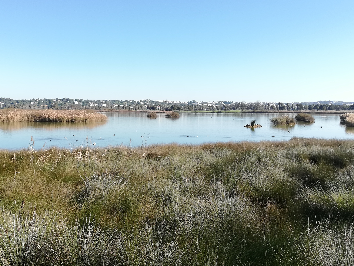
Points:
(135, 129)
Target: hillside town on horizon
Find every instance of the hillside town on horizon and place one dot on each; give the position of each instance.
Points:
(146, 105)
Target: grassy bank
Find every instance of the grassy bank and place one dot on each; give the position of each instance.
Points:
(269, 203)
(64, 116)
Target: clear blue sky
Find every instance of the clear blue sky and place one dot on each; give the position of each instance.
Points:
(239, 50)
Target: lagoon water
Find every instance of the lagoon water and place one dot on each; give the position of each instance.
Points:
(135, 129)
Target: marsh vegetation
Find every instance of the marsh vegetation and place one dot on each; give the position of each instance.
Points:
(267, 203)
(62, 116)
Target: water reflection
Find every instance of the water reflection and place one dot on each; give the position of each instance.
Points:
(349, 130)
(14, 126)
(304, 124)
(285, 127)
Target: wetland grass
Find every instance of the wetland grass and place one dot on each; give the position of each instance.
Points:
(267, 203)
(62, 116)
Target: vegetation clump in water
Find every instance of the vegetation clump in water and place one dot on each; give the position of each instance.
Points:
(347, 119)
(266, 203)
(304, 117)
(62, 116)
(283, 120)
(173, 115)
(152, 115)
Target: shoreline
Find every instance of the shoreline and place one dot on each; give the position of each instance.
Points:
(236, 111)
(185, 111)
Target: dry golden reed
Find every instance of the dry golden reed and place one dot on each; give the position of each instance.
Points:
(63, 116)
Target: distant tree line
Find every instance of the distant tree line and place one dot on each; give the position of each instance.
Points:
(141, 105)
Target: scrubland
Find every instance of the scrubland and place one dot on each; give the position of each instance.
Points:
(268, 203)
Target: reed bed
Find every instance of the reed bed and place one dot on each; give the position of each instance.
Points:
(267, 203)
(61, 116)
